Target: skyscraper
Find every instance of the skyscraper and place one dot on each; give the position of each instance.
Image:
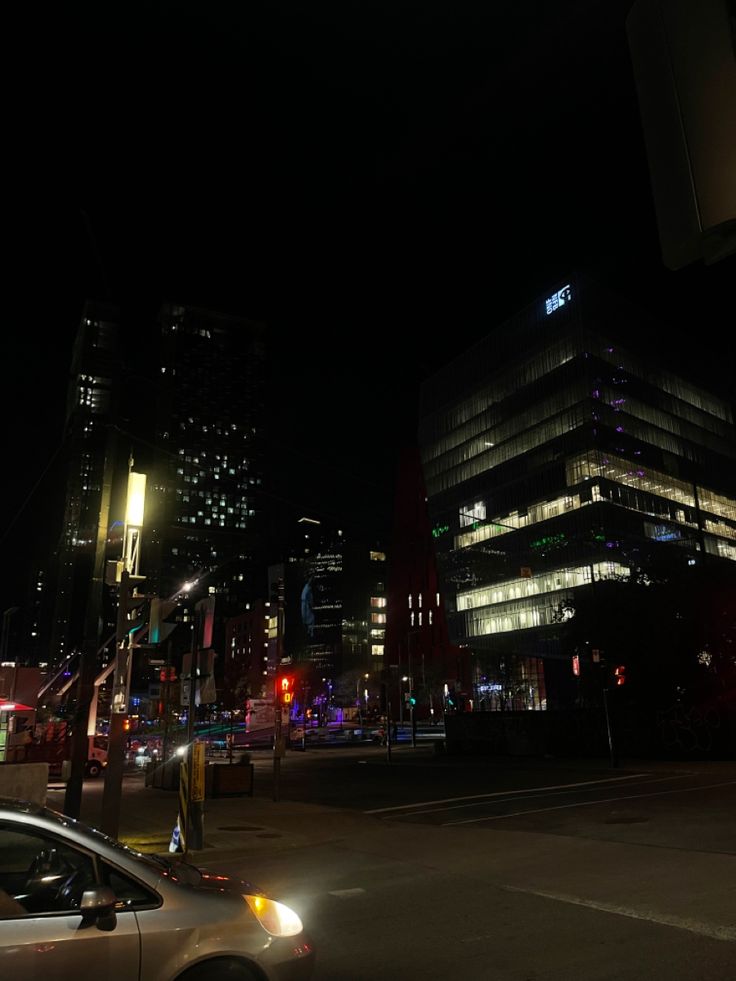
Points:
(335, 592)
(204, 510)
(92, 405)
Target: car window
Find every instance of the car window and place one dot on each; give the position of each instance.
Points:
(39, 874)
(176, 870)
(129, 893)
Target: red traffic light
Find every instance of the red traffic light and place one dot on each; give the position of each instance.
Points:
(285, 689)
(576, 665)
(619, 673)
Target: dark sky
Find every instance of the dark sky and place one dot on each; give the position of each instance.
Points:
(380, 182)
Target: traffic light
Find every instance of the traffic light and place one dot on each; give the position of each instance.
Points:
(285, 689)
(412, 699)
(619, 674)
(576, 665)
(159, 626)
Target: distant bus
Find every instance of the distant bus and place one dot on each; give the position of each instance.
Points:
(259, 714)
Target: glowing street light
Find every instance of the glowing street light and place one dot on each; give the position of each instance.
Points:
(134, 510)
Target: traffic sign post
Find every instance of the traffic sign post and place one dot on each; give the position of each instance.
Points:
(194, 835)
(128, 622)
(284, 697)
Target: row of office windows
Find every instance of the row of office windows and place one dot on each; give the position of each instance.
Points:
(523, 615)
(491, 427)
(656, 501)
(549, 582)
(486, 457)
(671, 422)
(688, 395)
(482, 455)
(614, 468)
(446, 429)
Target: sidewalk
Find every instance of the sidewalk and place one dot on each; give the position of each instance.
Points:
(259, 824)
(231, 825)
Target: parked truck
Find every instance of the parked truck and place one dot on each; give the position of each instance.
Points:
(52, 744)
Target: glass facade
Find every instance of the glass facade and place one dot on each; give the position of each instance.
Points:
(336, 602)
(551, 454)
(92, 400)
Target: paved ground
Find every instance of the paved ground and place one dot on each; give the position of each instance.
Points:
(435, 868)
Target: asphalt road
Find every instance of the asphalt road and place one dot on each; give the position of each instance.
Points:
(435, 868)
(512, 869)
(676, 805)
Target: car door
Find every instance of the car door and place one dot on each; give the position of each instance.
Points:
(43, 936)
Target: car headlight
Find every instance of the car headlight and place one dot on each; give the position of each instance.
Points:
(275, 918)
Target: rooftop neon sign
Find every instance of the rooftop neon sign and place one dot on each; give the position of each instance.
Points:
(558, 299)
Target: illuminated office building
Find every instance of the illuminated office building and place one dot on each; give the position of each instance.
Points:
(206, 484)
(556, 456)
(250, 659)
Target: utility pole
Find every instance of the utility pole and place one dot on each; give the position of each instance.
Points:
(278, 743)
(609, 731)
(127, 605)
(113, 788)
(283, 689)
(195, 768)
(412, 699)
(388, 730)
(167, 683)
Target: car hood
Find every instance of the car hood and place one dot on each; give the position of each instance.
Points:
(204, 879)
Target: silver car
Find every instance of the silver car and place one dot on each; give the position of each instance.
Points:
(74, 901)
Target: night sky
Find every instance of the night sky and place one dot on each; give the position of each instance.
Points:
(380, 182)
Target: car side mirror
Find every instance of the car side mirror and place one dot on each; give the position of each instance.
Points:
(98, 904)
(99, 899)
